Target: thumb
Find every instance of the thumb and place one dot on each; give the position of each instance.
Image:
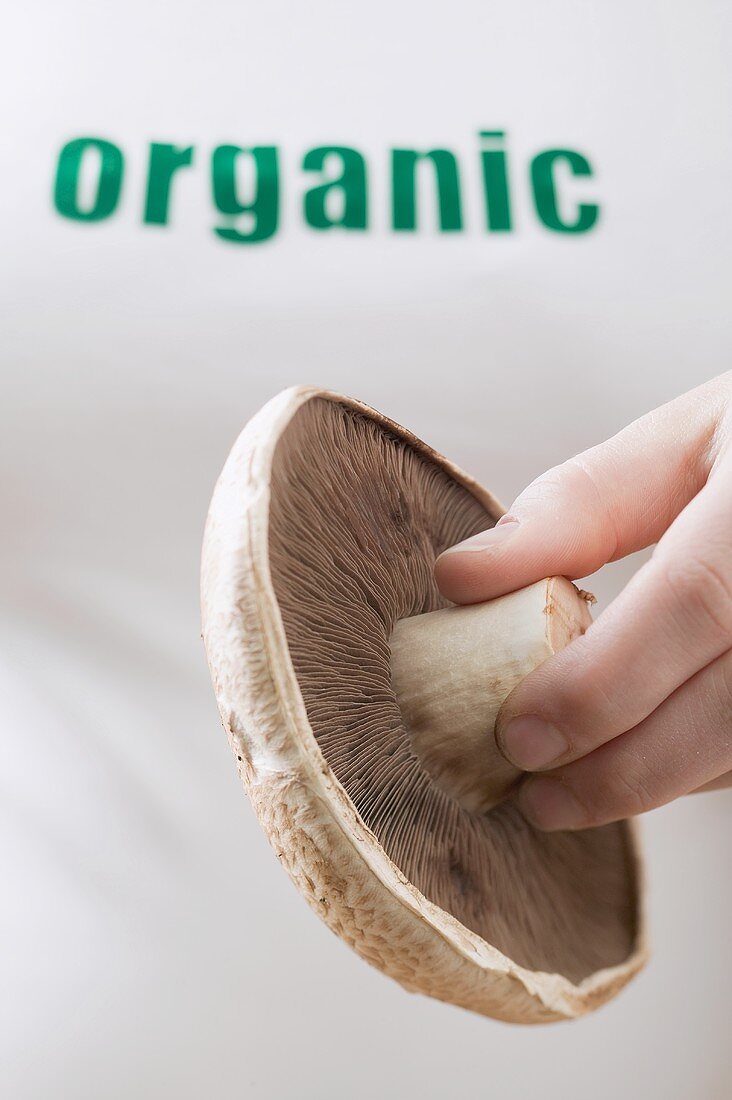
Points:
(609, 501)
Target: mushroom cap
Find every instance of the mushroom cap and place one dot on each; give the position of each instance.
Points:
(322, 534)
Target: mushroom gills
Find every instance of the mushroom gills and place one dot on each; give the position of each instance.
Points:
(357, 516)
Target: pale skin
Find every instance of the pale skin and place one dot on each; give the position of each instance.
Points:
(638, 711)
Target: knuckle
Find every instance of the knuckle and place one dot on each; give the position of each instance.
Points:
(569, 483)
(719, 727)
(635, 792)
(573, 489)
(546, 491)
(584, 719)
(584, 484)
(723, 684)
(701, 593)
(581, 705)
(621, 795)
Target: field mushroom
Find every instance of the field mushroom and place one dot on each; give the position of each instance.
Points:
(360, 708)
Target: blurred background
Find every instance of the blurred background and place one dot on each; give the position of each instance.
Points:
(152, 946)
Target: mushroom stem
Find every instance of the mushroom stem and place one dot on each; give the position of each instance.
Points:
(452, 669)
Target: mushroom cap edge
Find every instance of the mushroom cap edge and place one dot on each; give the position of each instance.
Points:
(328, 851)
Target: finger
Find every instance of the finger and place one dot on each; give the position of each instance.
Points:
(601, 505)
(673, 618)
(682, 746)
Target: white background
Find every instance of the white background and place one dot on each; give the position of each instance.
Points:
(151, 946)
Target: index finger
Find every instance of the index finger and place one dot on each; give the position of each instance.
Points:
(609, 501)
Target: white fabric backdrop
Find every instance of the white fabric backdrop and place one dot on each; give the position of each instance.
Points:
(151, 945)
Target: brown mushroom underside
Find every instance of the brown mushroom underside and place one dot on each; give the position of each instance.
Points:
(357, 518)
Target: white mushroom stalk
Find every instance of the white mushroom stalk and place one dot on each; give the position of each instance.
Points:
(452, 669)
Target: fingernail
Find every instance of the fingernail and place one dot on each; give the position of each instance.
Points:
(531, 743)
(484, 540)
(550, 805)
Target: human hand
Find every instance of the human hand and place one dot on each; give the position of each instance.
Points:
(639, 710)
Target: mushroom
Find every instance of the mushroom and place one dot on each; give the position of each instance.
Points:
(361, 707)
